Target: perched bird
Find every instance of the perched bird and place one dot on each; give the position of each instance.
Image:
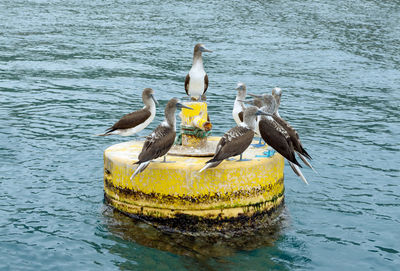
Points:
(196, 82)
(278, 134)
(277, 137)
(269, 108)
(236, 140)
(276, 93)
(136, 121)
(262, 100)
(238, 106)
(160, 141)
(294, 136)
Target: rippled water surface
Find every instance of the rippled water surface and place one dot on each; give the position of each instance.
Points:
(69, 69)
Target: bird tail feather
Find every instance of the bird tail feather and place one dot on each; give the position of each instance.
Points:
(307, 162)
(210, 165)
(305, 153)
(140, 168)
(105, 134)
(298, 172)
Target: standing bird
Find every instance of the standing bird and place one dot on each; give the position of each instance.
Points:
(136, 121)
(281, 136)
(196, 82)
(277, 137)
(294, 136)
(238, 106)
(236, 140)
(269, 108)
(262, 100)
(160, 141)
(276, 93)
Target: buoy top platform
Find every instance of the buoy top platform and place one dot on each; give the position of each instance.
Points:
(174, 196)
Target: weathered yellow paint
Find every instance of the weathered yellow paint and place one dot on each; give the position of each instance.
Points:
(196, 118)
(199, 108)
(166, 189)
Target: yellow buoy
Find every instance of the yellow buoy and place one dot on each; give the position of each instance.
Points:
(232, 197)
(175, 195)
(195, 125)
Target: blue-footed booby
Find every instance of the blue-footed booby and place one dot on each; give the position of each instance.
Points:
(294, 136)
(196, 82)
(262, 100)
(278, 138)
(136, 121)
(278, 134)
(160, 141)
(270, 107)
(238, 106)
(236, 140)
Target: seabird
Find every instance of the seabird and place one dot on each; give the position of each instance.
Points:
(159, 142)
(277, 137)
(275, 128)
(267, 104)
(269, 108)
(262, 100)
(294, 136)
(136, 121)
(278, 134)
(296, 146)
(196, 82)
(236, 140)
(238, 106)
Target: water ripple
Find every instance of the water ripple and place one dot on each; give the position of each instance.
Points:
(70, 69)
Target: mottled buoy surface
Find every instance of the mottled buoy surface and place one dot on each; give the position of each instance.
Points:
(234, 196)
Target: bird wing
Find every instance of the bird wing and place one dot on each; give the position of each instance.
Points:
(241, 116)
(277, 137)
(233, 142)
(187, 79)
(157, 143)
(258, 102)
(205, 83)
(131, 120)
(294, 136)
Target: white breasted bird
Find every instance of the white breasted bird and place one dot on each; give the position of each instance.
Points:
(160, 141)
(238, 106)
(282, 137)
(196, 81)
(136, 121)
(236, 140)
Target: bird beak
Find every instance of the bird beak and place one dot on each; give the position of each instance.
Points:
(179, 105)
(246, 102)
(254, 95)
(204, 49)
(154, 99)
(260, 112)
